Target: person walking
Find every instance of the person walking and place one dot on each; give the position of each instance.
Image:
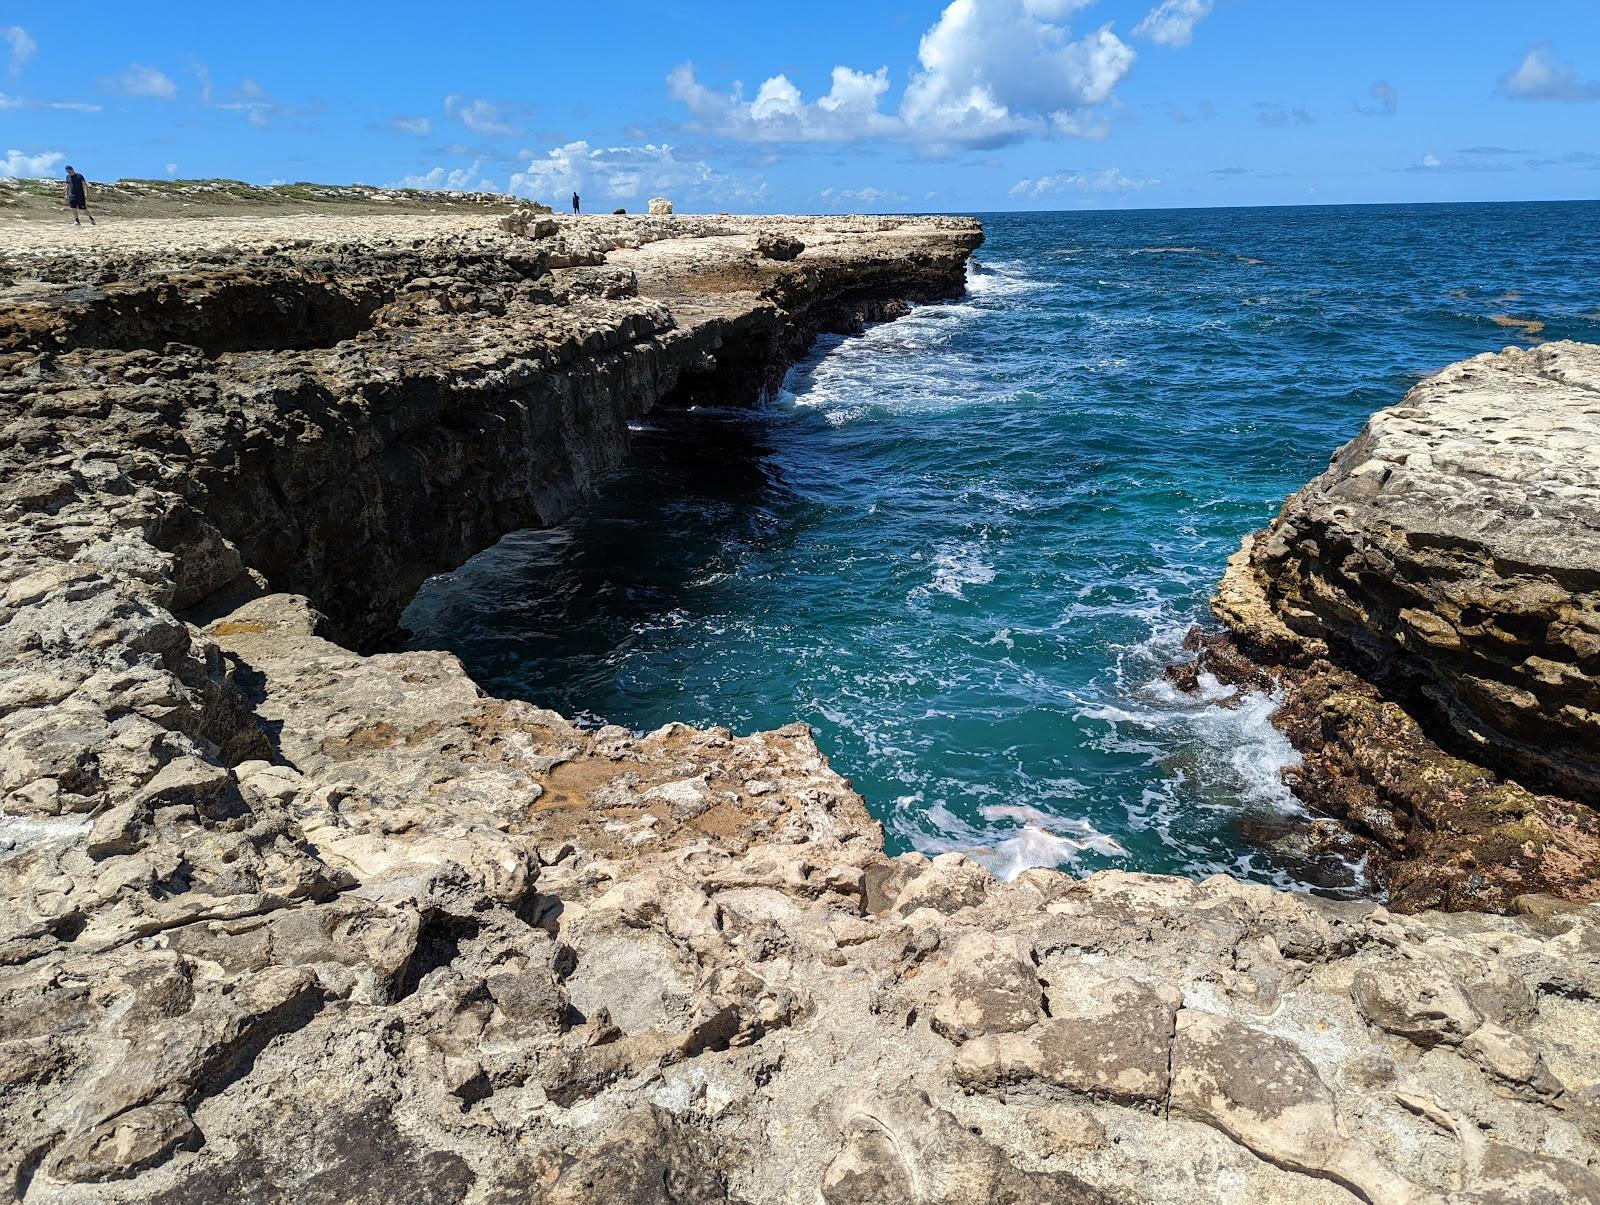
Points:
(78, 196)
(574, 202)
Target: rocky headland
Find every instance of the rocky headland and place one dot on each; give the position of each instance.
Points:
(1430, 609)
(289, 918)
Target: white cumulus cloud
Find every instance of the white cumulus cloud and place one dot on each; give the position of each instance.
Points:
(478, 115)
(21, 45)
(779, 113)
(461, 179)
(1542, 76)
(630, 173)
(1172, 22)
(19, 164)
(139, 80)
(990, 72)
(996, 69)
(1111, 180)
(417, 126)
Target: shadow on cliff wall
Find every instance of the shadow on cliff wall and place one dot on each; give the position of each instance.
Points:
(699, 489)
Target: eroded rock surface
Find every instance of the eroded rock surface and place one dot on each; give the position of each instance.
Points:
(1431, 608)
(288, 923)
(346, 405)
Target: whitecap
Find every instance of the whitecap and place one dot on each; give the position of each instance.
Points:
(1018, 838)
(1000, 279)
(955, 567)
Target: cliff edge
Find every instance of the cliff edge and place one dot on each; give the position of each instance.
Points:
(288, 919)
(1431, 607)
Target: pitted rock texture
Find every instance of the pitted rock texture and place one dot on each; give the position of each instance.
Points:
(1431, 606)
(288, 923)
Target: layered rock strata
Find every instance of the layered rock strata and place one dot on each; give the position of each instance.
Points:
(1431, 608)
(284, 922)
(346, 414)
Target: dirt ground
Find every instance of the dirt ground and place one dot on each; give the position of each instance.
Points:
(44, 200)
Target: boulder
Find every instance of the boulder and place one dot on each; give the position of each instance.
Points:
(125, 1145)
(779, 246)
(1065, 1127)
(993, 988)
(1513, 1059)
(660, 206)
(530, 223)
(947, 884)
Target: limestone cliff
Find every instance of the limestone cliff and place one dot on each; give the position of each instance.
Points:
(284, 922)
(348, 414)
(1431, 604)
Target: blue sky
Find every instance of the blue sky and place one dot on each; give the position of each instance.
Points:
(976, 105)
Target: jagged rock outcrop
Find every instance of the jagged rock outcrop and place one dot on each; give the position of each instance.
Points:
(1431, 607)
(409, 400)
(779, 246)
(286, 922)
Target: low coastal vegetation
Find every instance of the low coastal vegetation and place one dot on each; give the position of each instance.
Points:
(197, 198)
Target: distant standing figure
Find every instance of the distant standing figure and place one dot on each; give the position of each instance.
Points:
(78, 196)
(574, 202)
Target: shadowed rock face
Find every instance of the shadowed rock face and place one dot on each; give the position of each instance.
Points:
(283, 922)
(1432, 604)
(348, 417)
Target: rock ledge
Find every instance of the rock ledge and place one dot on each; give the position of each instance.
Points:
(1431, 605)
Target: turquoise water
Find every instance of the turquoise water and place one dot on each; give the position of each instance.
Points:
(964, 545)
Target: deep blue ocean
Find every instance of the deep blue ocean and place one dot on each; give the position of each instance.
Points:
(964, 545)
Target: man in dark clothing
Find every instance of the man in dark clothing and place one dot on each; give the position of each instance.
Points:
(574, 202)
(78, 196)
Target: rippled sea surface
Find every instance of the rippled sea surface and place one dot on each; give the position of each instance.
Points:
(964, 545)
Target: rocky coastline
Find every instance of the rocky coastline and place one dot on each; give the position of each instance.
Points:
(1430, 609)
(291, 918)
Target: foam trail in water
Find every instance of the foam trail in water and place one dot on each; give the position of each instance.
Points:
(956, 566)
(1018, 837)
(1044, 841)
(994, 280)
